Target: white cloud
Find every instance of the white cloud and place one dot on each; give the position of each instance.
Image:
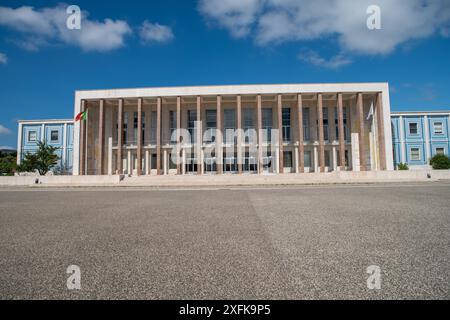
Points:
(41, 27)
(4, 130)
(7, 148)
(237, 16)
(155, 32)
(3, 58)
(276, 21)
(314, 58)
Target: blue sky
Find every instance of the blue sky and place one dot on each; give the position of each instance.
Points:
(178, 43)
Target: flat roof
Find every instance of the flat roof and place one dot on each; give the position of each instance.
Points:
(239, 89)
(45, 121)
(432, 112)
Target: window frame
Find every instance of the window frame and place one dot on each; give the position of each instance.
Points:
(417, 128)
(52, 131)
(442, 128)
(29, 140)
(419, 158)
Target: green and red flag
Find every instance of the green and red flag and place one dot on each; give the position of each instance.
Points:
(81, 116)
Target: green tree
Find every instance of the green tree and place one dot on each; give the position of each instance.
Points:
(7, 164)
(43, 160)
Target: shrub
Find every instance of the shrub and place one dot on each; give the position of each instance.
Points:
(403, 166)
(7, 164)
(440, 162)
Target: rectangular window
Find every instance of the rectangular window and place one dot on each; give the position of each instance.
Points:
(306, 135)
(153, 127)
(125, 128)
(415, 154)
(154, 162)
(440, 151)
(32, 136)
(413, 128)
(192, 118)
(287, 159)
(211, 126)
(54, 136)
(286, 123)
(229, 126)
(248, 123)
(173, 126)
(325, 123)
(267, 123)
(308, 159)
(336, 122)
(135, 127)
(438, 128)
(143, 128)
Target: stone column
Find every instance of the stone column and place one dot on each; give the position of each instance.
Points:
(165, 167)
(139, 137)
(83, 137)
(381, 137)
(280, 133)
(219, 136)
(129, 163)
(239, 133)
(199, 136)
(110, 156)
(178, 135)
(301, 144)
(321, 134)
(147, 162)
(260, 135)
(101, 137)
(341, 132)
(316, 160)
(183, 161)
(158, 136)
(361, 133)
(334, 159)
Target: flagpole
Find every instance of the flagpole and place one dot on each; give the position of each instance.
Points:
(86, 143)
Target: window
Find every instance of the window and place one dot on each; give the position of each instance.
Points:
(437, 128)
(211, 125)
(32, 136)
(308, 159)
(54, 136)
(135, 127)
(249, 125)
(286, 122)
(415, 154)
(336, 122)
(153, 127)
(267, 121)
(287, 159)
(192, 118)
(125, 128)
(173, 126)
(325, 124)
(413, 128)
(306, 135)
(440, 151)
(230, 126)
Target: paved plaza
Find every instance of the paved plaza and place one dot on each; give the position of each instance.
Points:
(298, 242)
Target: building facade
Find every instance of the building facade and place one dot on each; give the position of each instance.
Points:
(233, 129)
(57, 133)
(418, 136)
